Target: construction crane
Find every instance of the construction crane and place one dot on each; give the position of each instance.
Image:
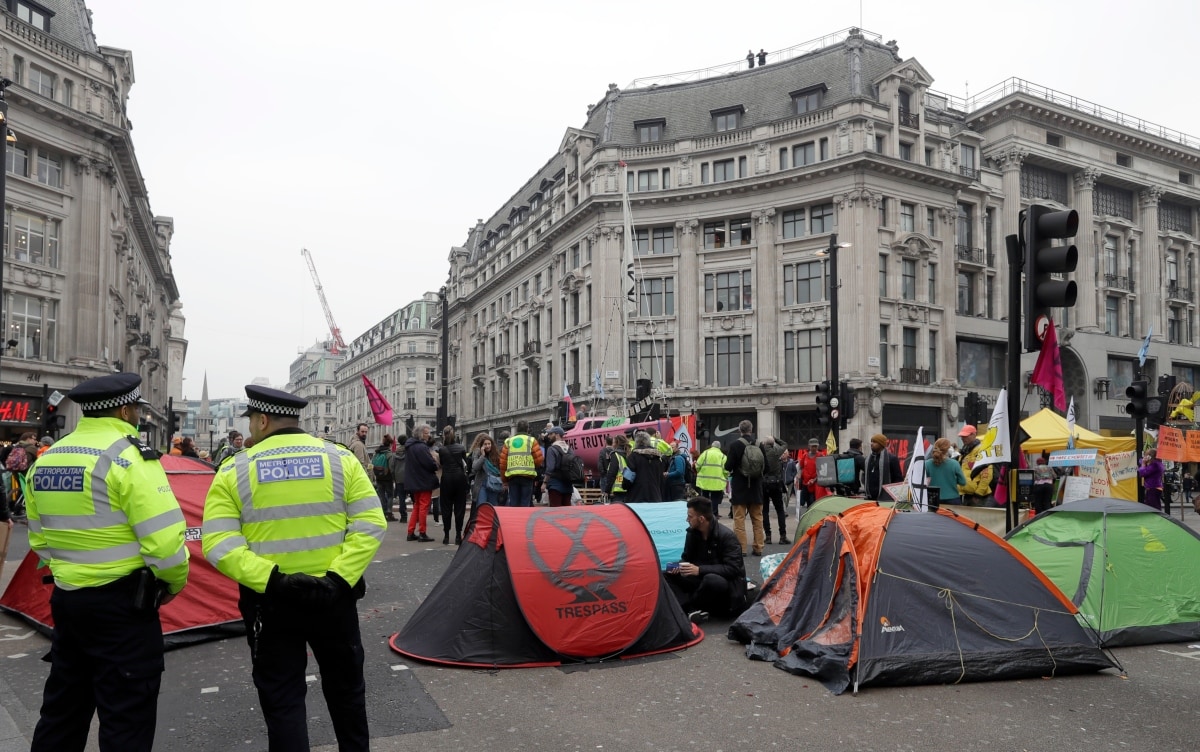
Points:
(338, 345)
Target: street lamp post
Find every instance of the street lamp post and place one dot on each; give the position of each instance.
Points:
(443, 412)
(4, 84)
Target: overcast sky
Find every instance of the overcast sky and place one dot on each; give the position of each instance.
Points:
(375, 133)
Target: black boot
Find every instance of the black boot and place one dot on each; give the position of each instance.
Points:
(458, 539)
(446, 538)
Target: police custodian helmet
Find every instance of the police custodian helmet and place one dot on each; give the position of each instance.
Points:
(108, 392)
(264, 399)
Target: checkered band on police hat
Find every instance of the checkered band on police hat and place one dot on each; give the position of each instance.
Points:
(111, 402)
(271, 408)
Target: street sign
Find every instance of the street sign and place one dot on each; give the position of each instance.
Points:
(1040, 326)
(835, 413)
(834, 402)
(55, 397)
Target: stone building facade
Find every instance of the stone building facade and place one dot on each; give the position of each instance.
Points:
(313, 376)
(87, 280)
(400, 355)
(737, 183)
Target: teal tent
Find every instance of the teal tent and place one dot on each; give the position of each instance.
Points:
(1133, 572)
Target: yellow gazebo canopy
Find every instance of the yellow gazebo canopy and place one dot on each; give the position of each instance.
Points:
(1048, 430)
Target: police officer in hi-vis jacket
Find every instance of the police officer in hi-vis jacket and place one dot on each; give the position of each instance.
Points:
(103, 518)
(295, 521)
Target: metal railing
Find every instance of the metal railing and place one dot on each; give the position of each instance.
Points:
(909, 119)
(919, 376)
(478, 370)
(972, 255)
(969, 172)
(1118, 282)
(133, 322)
(775, 57)
(503, 360)
(939, 101)
(1175, 292)
(531, 349)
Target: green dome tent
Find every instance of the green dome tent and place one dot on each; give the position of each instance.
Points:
(1133, 573)
(822, 508)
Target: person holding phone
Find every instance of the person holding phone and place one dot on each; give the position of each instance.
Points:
(711, 577)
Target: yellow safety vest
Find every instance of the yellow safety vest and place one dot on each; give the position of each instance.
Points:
(618, 486)
(520, 456)
(99, 510)
(710, 470)
(295, 501)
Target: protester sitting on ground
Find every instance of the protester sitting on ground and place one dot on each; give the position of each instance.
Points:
(943, 473)
(711, 577)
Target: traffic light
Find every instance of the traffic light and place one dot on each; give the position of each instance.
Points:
(1042, 259)
(52, 421)
(1141, 403)
(824, 395)
(971, 412)
(1166, 385)
(846, 404)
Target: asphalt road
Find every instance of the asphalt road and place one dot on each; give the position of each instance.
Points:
(707, 698)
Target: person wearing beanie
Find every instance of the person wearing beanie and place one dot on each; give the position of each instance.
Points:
(883, 468)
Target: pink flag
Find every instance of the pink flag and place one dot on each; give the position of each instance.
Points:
(379, 404)
(1048, 372)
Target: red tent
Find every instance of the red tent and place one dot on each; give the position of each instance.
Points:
(207, 607)
(540, 587)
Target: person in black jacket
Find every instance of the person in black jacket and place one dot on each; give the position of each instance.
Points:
(646, 464)
(452, 456)
(711, 578)
(882, 469)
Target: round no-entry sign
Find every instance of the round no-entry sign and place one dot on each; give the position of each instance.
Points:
(1040, 325)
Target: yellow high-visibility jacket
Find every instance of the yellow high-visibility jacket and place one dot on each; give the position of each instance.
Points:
(710, 470)
(296, 501)
(99, 509)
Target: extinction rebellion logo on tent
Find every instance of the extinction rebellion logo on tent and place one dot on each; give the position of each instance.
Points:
(582, 554)
(887, 626)
(587, 579)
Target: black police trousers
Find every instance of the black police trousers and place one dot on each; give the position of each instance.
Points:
(278, 635)
(106, 657)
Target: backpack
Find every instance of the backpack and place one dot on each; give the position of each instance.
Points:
(689, 473)
(379, 463)
(18, 460)
(570, 467)
(753, 461)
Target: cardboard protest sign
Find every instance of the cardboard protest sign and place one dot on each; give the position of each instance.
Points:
(1121, 465)
(1171, 444)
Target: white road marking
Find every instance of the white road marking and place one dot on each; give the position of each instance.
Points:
(310, 679)
(209, 690)
(18, 655)
(1194, 656)
(399, 667)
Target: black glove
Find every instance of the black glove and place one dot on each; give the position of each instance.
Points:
(299, 588)
(345, 589)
